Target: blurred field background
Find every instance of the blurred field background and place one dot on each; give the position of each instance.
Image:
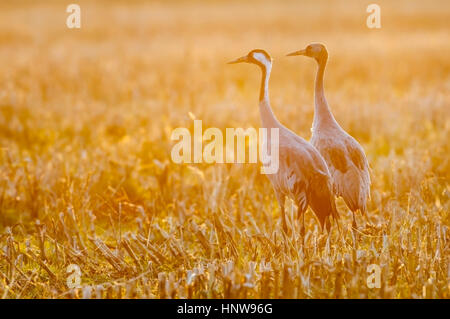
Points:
(86, 176)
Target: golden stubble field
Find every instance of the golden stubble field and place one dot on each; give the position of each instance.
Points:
(86, 176)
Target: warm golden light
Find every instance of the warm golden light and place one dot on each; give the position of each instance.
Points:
(87, 179)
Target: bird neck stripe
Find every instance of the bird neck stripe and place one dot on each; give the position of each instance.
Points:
(267, 117)
(264, 90)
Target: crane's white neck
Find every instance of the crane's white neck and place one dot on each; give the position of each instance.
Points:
(264, 92)
(322, 113)
(268, 119)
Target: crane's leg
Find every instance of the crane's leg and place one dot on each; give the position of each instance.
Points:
(366, 216)
(281, 198)
(328, 225)
(354, 225)
(302, 226)
(283, 219)
(302, 206)
(301, 219)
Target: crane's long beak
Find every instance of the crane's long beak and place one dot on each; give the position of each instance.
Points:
(239, 60)
(301, 52)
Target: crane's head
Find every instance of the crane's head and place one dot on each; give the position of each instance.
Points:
(258, 57)
(318, 51)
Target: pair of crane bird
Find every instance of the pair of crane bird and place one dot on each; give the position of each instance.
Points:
(332, 164)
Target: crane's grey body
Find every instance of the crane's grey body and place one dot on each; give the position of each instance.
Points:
(347, 165)
(344, 156)
(303, 175)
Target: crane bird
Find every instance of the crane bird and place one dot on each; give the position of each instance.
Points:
(346, 160)
(303, 175)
